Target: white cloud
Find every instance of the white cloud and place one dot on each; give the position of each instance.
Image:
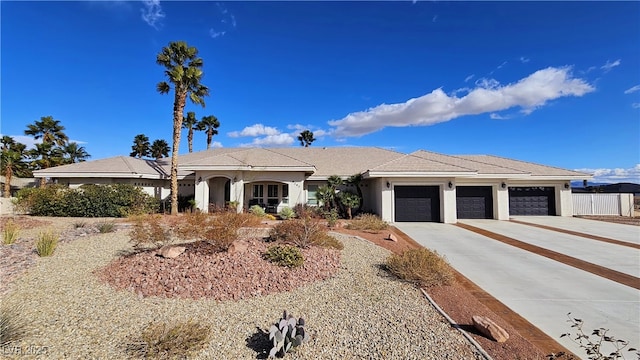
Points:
(30, 142)
(271, 140)
(615, 175)
(216, 144)
(632, 89)
(255, 130)
(496, 116)
(317, 132)
(226, 22)
(152, 13)
(469, 78)
(501, 65)
(489, 96)
(215, 34)
(635, 105)
(610, 65)
(524, 60)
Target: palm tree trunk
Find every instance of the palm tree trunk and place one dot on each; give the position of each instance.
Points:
(190, 139)
(7, 182)
(209, 137)
(178, 109)
(43, 182)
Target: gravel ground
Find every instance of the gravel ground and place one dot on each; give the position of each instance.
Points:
(361, 313)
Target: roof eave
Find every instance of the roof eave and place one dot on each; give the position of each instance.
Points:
(428, 174)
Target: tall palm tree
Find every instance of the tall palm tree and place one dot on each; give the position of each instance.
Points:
(141, 147)
(333, 182)
(190, 123)
(184, 72)
(49, 130)
(209, 124)
(159, 149)
(306, 138)
(73, 153)
(12, 162)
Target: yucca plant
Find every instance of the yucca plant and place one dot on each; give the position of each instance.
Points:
(46, 243)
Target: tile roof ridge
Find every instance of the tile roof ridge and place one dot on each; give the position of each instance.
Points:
(486, 163)
(274, 150)
(230, 154)
(125, 159)
(390, 161)
(532, 163)
(441, 162)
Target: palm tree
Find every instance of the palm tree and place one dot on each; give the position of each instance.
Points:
(49, 130)
(159, 149)
(73, 153)
(12, 162)
(141, 147)
(306, 138)
(209, 124)
(333, 182)
(184, 72)
(45, 155)
(349, 200)
(191, 123)
(355, 180)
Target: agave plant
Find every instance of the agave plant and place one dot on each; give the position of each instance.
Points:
(287, 334)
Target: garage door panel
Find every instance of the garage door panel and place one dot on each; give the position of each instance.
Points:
(474, 202)
(417, 203)
(532, 201)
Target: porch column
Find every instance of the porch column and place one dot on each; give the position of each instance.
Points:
(564, 204)
(501, 201)
(236, 193)
(201, 193)
(449, 215)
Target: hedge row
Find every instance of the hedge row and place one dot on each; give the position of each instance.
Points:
(116, 200)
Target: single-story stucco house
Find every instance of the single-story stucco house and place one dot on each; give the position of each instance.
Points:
(421, 186)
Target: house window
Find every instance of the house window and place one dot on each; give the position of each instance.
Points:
(272, 191)
(258, 191)
(311, 194)
(285, 193)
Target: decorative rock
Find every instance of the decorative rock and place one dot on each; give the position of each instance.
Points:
(238, 247)
(171, 252)
(392, 238)
(490, 329)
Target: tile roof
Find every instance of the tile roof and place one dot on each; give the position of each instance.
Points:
(528, 167)
(119, 166)
(418, 164)
(479, 167)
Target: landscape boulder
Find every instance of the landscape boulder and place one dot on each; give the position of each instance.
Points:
(392, 238)
(490, 329)
(171, 252)
(238, 247)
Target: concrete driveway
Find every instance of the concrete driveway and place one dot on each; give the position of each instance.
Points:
(541, 289)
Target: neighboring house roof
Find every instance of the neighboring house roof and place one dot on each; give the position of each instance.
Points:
(318, 163)
(115, 167)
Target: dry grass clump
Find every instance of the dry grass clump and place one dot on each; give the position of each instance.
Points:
(10, 232)
(12, 326)
(422, 266)
(303, 233)
(106, 227)
(164, 341)
(367, 222)
(46, 243)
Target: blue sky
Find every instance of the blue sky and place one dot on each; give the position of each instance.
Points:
(556, 83)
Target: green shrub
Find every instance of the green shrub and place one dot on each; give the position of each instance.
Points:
(164, 341)
(287, 333)
(421, 266)
(287, 213)
(10, 232)
(148, 232)
(332, 217)
(12, 325)
(369, 222)
(46, 243)
(289, 256)
(257, 210)
(106, 227)
(115, 200)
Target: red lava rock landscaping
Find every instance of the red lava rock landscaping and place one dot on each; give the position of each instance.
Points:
(200, 272)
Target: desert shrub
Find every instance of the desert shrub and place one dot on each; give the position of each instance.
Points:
(164, 341)
(10, 232)
(147, 231)
(287, 333)
(192, 225)
(421, 266)
(79, 224)
(327, 241)
(302, 233)
(12, 325)
(105, 227)
(115, 200)
(332, 217)
(304, 210)
(257, 210)
(289, 256)
(287, 213)
(46, 243)
(592, 344)
(370, 222)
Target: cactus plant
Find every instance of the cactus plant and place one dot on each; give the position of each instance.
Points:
(287, 334)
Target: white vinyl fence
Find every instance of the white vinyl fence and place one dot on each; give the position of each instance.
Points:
(603, 204)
